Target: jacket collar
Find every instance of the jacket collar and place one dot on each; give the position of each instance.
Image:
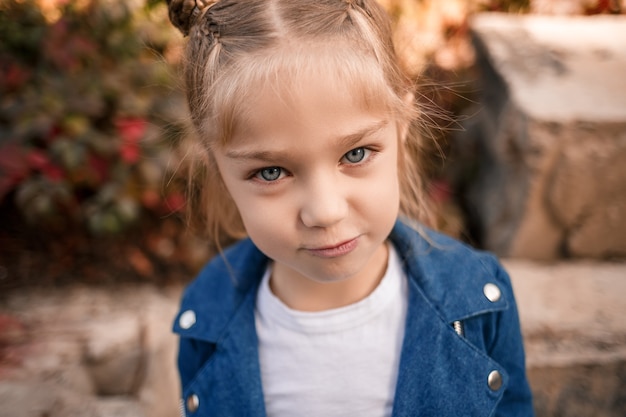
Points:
(441, 268)
(436, 264)
(225, 285)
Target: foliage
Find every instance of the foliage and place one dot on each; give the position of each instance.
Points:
(510, 6)
(88, 115)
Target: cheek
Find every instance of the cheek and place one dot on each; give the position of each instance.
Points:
(384, 186)
(262, 217)
(268, 225)
(386, 203)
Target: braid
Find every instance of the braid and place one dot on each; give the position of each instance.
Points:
(186, 13)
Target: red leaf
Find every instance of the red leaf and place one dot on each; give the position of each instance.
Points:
(37, 159)
(131, 129)
(14, 76)
(129, 152)
(173, 203)
(53, 173)
(100, 167)
(12, 159)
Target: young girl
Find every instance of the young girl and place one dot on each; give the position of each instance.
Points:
(336, 301)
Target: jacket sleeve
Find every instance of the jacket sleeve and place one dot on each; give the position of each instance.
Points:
(507, 349)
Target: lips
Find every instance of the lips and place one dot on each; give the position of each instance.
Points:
(333, 251)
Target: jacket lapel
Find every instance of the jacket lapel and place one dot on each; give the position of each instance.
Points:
(440, 373)
(223, 300)
(231, 379)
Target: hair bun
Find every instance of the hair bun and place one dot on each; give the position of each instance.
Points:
(183, 13)
(180, 12)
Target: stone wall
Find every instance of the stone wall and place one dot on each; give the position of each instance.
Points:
(550, 181)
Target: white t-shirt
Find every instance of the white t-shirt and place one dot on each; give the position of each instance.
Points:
(338, 362)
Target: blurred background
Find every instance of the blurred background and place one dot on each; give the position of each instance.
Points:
(92, 120)
(93, 134)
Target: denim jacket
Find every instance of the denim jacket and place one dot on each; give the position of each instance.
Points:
(462, 353)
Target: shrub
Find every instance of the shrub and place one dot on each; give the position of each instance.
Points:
(88, 115)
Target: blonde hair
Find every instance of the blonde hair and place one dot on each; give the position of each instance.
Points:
(235, 46)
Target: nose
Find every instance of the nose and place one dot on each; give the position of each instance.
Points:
(324, 202)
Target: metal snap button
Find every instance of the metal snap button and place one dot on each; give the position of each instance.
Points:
(492, 292)
(193, 403)
(494, 380)
(187, 319)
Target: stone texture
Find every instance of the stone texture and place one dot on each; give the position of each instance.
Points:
(24, 398)
(90, 352)
(551, 135)
(114, 356)
(572, 317)
(159, 392)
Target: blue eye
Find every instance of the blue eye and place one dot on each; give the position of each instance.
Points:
(355, 155)
(270, 174)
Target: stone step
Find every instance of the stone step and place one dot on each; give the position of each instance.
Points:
(544, 154)
(573, 317)
(89, 352)
(95, 352)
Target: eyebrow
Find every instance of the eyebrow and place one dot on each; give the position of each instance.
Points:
(346, 141)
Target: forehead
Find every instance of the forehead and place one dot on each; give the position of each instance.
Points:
(286, 75)
(313, 118)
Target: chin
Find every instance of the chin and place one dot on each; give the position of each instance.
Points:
(333, 276)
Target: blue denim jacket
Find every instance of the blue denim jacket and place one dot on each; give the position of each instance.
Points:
(444, 371)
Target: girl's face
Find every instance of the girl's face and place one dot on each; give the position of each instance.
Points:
(314, 176)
